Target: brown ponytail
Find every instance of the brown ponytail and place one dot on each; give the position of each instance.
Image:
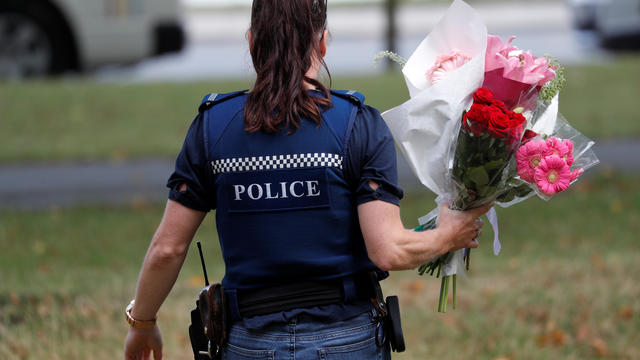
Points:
(285, 39)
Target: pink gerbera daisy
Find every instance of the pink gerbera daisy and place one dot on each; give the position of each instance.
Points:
(558, 147)
(569, 156)
(576, 173)
(552, 175)
(446, 64)
(528, 158)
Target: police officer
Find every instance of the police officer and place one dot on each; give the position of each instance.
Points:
(304, 183)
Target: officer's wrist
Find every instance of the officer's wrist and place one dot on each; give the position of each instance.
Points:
(138, 322)
(442, 240)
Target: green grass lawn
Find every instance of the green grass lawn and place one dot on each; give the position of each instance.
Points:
(565, 286)
(73, 119)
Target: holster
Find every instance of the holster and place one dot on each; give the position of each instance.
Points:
(209, 323)
(199, 341)
(389, 322)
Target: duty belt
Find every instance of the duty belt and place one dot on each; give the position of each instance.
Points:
(304, 294)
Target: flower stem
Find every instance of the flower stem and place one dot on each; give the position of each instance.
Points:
(441, 293)
(455, 303)
(446, 293)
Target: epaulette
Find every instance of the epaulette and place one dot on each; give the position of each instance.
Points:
(213, 99)
(350, 95)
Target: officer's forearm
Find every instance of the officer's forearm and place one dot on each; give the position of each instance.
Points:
(405, 249)
(164, 258)
(157, 277)
(392, 247)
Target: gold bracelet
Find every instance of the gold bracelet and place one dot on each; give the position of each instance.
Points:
(138, 324)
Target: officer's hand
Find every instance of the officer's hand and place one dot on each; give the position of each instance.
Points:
(460, 229)
(140, 343)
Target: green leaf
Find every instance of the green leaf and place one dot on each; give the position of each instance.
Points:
(523, 190)
(486, 191)
(478, 175)
(495, 164)
(507, 196)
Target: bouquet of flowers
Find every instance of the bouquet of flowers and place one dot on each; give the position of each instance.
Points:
(473, 99)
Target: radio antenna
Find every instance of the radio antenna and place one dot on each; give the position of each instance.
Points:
(204, 267)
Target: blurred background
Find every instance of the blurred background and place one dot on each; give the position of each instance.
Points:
(96, 97)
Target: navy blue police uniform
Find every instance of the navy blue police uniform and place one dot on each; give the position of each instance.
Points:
(286, 203)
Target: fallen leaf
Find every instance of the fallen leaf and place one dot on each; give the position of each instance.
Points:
(599, 346)
(449, 320)
(550, 325)
(542, 340)
(15, 299)
(583, 333)
(19, 350)
(416, 286)
(597, 261)
(491, 343)
(554, 337)
(558, 337)
(43, 268)
(39, 247)
(626, 312)
(196, 281)
(616, 206)
(487, 292)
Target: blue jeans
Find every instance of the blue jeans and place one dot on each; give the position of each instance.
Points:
(305, 338)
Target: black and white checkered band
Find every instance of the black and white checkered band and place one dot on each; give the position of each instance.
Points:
(273, 162)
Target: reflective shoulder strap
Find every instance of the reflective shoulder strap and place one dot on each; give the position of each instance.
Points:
(351, 95)
(218, 112)
(356, 101)
(212, 99)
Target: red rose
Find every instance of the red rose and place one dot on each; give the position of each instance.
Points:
(483, 96)
(498, 103)
(489, 114)
(528, 135)
(499, 123)
(476, 119)
(518, 117)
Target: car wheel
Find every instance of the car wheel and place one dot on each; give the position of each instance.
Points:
(26, 50)
(35, 40)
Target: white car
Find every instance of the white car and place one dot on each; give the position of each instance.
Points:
(583, 13)
(40, 37)
(618, 23)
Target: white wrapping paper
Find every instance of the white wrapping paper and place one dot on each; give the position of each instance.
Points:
(424, 126)
(461, 28)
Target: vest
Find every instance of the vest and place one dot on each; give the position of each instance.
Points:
(284, 211)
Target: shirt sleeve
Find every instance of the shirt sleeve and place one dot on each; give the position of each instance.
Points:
(371, 156)
(192, 170)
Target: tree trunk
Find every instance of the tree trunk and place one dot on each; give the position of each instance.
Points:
(391, 7)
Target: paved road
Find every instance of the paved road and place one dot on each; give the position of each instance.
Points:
(41, 186)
